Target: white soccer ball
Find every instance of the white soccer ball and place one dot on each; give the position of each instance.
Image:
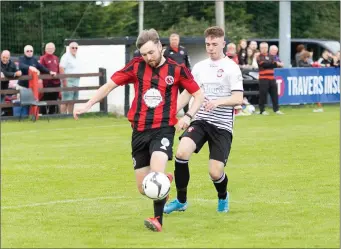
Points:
(156, 185)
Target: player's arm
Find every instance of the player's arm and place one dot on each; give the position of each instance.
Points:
(101, 93)
(183, 100)
(190, 86)
(121, 77)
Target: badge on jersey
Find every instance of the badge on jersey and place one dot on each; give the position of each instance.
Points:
(152, 97)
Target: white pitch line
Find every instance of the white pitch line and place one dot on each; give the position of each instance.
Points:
(62, 202)
(38, 204)
(63, 129)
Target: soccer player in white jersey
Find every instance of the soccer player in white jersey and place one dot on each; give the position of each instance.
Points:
(222, 82)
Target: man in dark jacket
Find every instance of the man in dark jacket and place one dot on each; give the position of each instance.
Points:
(178, 54)
(29, 62)
(8, 70)
(267, 83)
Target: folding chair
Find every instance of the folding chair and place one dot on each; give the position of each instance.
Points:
(27, 99)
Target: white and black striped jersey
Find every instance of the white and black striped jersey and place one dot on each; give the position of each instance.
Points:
(218, 79)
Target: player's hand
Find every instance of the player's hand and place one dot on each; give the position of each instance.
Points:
(53, 73)
(183, 123)
(211, 105)
(80, 110)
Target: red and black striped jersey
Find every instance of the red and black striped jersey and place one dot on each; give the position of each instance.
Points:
(266, 65)
(156, 91)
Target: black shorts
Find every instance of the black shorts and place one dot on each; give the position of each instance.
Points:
(219, 140)
(144, 143)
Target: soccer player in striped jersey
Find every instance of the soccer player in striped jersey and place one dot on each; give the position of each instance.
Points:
(222, 83)
(153, 111)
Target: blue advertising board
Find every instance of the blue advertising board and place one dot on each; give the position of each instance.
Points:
(308, 85)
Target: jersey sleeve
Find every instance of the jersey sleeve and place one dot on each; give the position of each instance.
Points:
(125, 75)
(236, 80)
(187, 80)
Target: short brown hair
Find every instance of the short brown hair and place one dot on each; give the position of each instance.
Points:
(214, 31)
(146, 36)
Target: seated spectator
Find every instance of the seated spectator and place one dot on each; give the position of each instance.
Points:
(242, 53)
(232, 52)
(8, 70)
(336, 60)
(304, 60)
(325, 59)
(299, 49)
(29, 62)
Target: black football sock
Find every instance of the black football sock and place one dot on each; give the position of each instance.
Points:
(221, 186)
(158, 209)
(181, 174)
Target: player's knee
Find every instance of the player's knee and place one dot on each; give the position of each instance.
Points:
(183, 154)
(215, 174)
(140, 189)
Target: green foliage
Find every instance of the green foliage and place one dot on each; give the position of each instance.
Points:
(37, 23)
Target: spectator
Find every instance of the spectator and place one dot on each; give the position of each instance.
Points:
(273, 50)
(304, 60)
(242, 53)
(253, 45)
(51, 62)
(29, 62)
(8, 70)
(325, 60)
(249, 57)
(178, 54)
(267, 82)
(232, 52)
(299, 49)
(255, 56)
(336, 60)
(69, 64)
(137, 53)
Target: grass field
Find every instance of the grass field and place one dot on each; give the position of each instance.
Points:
(70, 184)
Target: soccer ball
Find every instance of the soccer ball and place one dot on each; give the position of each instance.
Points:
(156, 185)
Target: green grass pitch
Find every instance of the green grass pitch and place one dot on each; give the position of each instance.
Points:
(70, 184)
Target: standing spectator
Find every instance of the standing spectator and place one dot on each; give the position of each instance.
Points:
(267, 82)
(255, 56)
(273, 50)
(253, 45)
(29, 62)
(178, 54)
(325, 60)
(8, 70)
(249, 57)
(304, 60)
(242, 53)
(50, 61)
(69, 64)
(232, 52)
(299, 49)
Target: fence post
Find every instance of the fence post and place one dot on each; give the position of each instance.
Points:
(103, 105)
(33, 84)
